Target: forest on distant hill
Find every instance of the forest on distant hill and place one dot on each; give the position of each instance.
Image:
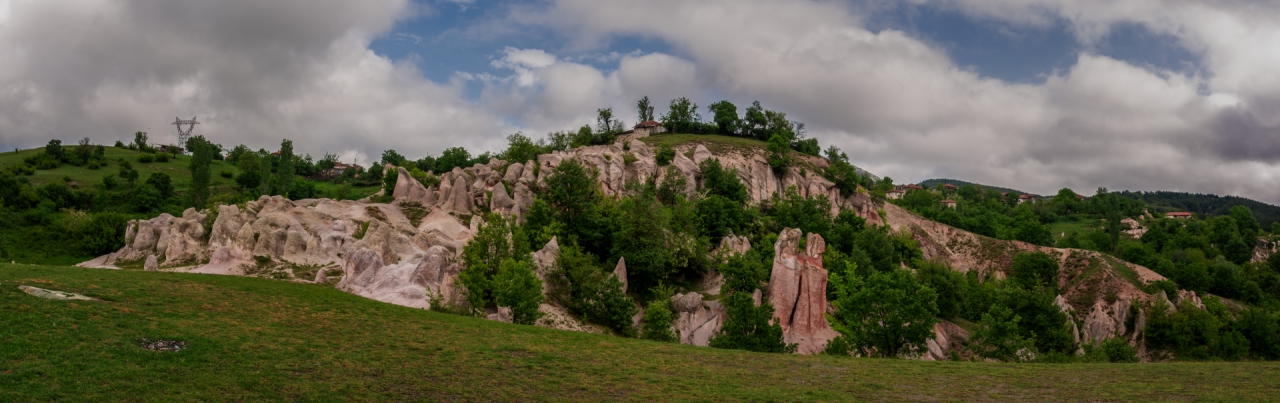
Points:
(931, 183)
(1205, 204)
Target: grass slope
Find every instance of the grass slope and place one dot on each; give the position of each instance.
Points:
(177, 168)
(261, 340)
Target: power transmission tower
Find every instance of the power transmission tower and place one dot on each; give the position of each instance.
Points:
(184, 135)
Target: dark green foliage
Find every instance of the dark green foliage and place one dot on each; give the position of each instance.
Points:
(664, 155)
(162, 183)
(722, 182)
(749, 327)
(643, 222)
(104, 233)
(1262, 330)
(389, 180)
(574, 199)
(645, 109)
(520, 149)
(284, 169)
(719, 216)
(146, 158)
(452, 157)
(147, 199)
(515, 286)
(999, 336)
(1193, 333)
(497, 240)
(673, 187)
(54, 150)
(394, 158)
(250, 166)
(265, 186)
(843, 174)
(657, 321)
(1034, 269)
(725, 117)
(779, 154)
(303, 189)
(201, 157)
(809, 214)
(950, 285)
(589, 291)
(682, 117)
(1206, 205)
(886, 315)
(744, 273)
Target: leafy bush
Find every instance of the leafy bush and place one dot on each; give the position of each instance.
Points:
(103, 234)
(515, 286)
(664, 155)
(1000, 338)
(657, 321)
(303, 189)
(1116, 349)
(162, 157)
(496, 241)
(643, 222)
(146, 158)
(749, 327)
(744, 273)
(162, 183)
(887, 314)
(590, 292)
(1033, 269)
(225, 174)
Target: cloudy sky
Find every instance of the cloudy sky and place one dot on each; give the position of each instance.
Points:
(1032, 94)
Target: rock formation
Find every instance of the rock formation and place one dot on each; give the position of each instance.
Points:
(798, 291)
(620, 271)
(696, 320)
(151, 265)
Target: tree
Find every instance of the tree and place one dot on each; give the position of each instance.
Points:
(646, 110)
(394, 158)
(389, 180)
(103, 234)
(643, 222)
(720, 181)
(574, 197)
(1110, 205)
(749, 327)
(657, 321)
(140, 141)
(674, 186)
(452, 157)
(265, 175)
(328, 162)
(516, 287)
(520, 149)
(887, 314)
(162, 183)
(681, 116)
(495, 241)
(586, 290)
(1033, 269)
(754, 122)
(726, 117)
(54, 149)
(606, 125)
(1000, 338)
(779, 149)
(201, 157)
(284, 172)
(950, 285)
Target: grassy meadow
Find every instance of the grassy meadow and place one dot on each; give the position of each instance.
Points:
(253, 339)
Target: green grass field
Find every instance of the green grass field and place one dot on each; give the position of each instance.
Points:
(253, 339)
(177, 168)
(1062, 229)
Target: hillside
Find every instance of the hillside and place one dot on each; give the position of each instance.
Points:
(931, 183)
(1205, 204)
(252, 339)
(176, 168)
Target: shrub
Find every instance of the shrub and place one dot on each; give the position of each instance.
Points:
(664, 155)
(744, 273)
(1117, 349)
(303, 189)
(162, 157)
(162, 183)
(888, 314)
(590, 292)
(999, 336)
(146, 158)
(749, 327)
(225, 174)
(483, 258)
(516, 287)
(103, 234)
(657, 321)
(1035, 268)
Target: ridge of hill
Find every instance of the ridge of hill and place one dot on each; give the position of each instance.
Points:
(1205, 204)
(929, 183)
(252, 339)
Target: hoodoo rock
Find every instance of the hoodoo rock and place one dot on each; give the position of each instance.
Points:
(620, 271)
(696, 320)
(798, 291)
(151, 265)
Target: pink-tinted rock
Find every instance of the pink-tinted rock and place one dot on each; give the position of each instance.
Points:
(798, 291)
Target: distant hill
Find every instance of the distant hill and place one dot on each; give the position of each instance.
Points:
(1205, 204)
(935, 182)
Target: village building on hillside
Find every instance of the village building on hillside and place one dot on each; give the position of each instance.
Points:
(894, 194)
(337, 170)
(1026, 199)
(642, 130)
(948, 187)
(949, 203)
(1178, 214)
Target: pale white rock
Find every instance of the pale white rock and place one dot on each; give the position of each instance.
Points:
(620, 271)
(151, 264)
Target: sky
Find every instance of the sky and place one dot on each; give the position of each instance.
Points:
(1036, 95)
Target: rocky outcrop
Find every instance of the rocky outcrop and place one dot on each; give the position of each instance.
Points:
(620, 271)
(1187, 297)
(151, 264)
(697, 321)
(503, 314)
(413, 282)
(947, 337)
(798, 291)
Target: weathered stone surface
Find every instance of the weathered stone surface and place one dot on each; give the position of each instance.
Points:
(412, 282)
(798, 291)
(620, 271)
(1105, 321)
(54, 294)
(689, 302)
(151, 264)
(502, 315)
(1187, 297)
(321, 277)
(696, 320)
(500, 202)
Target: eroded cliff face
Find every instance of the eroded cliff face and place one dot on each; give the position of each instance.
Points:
(798, 291)
(375, 250)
